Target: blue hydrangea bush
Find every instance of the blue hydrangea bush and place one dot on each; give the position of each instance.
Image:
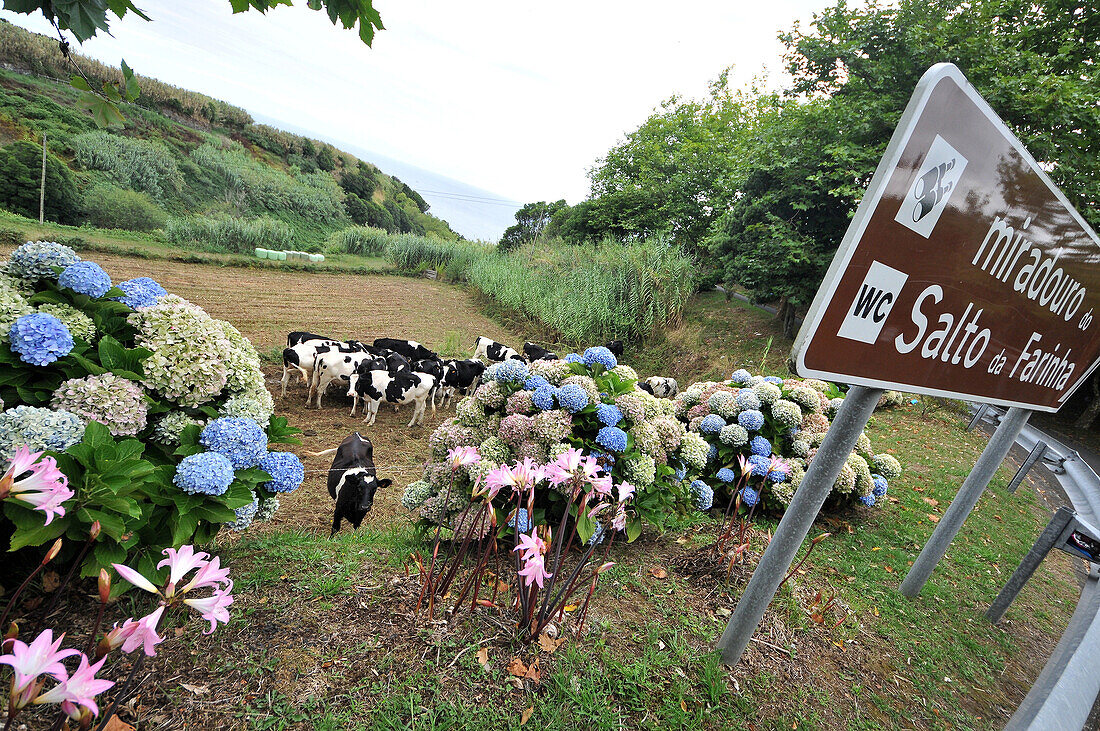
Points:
(761, 434)
(156, 412)
(586, 401)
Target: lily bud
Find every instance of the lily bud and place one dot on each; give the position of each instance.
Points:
(12, 633)
(52, 553)
(820, 538)
(104, 586)
(93, 532)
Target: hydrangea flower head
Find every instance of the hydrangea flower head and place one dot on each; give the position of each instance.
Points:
(286, 470)
(140, 292)
(747, 399)
(206, 473)
(36, 260)
(85, 277)
(712, 453)
(759, 466)
(613, 438)
(245, 516)
(740, 376)
(868, 500)
(242, 441)
(711, 424)
(38, 429)
(703, 495)
(774, 379)
(760, 445)
(887, 465)
(534, 382)
(40, 339)
(734, 435)
(749, 496)
(78, 324)
(520, 521)
(117, 403)
(597, 536)
(609, 414)
(543, 397)
(600, 355)
(880, 487)
(513, 370)
(572, 397)
(751, 419)
(573, 358)
(726, 475)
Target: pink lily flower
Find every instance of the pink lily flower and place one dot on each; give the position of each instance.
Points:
(601, 485)
(778, 463)
(42, 656)
(136, 634)
(213, 608)
(499, 478)
(135, 578)
(209, 575)
(534, 571)
(180, 562)
(744, 466)
(619, 521)
(527, 474)
(530, 545)
(462, 456)
(78, 690)
(626, 491)
(41, 484)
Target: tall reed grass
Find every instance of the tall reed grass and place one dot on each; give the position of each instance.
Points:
(592, 293)
(450, 258)
(358, 240)
(232, 235)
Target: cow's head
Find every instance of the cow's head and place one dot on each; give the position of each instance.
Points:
(356, 498)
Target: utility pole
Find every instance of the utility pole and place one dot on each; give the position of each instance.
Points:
(42, 187)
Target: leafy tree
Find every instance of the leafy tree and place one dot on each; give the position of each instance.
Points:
(531, 220)
(325, 159)
(86, 18)
(20, 178)
(412, 195)
(379, 217)
(356, 208)
(361, 183)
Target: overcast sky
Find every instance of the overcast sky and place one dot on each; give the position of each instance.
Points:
(517, 97)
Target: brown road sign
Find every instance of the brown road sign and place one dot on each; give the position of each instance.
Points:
(965, 272)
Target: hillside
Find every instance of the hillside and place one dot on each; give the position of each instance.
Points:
(183, 162)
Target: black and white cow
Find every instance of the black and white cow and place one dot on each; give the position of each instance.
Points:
(537, 352)
(300, 336)
(432, 367)
(338, 366)
(396, 362)
(408, 348)
(491, 350)
(616, 347)
(660, 386)
(300, 356)
(402, 387)
(460, 376)
(352, 480)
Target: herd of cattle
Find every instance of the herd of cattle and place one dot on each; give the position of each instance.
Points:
(403, 372)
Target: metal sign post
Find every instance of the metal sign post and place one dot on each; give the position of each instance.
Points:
(972, 488)
(857, 408)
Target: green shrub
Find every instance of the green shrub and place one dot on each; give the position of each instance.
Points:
(20, 178)
(417, 253)
(138, 164)
(234, 235)
(108, 206)
(358, 240)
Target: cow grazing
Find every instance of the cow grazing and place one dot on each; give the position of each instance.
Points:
(402, 387)
(300, 357)
(352, 480)
(299, 336)
(460, 376)
(432, 367)
(537, 352)
(334, 365)
(660, 386)
(616, 347)
(408, 348)
(491, 350)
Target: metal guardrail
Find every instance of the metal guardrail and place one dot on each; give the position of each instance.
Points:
(1063, 695)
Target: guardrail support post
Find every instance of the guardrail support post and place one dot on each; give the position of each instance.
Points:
(978, 416)
(1043, 545)
(973, 486)
(1034, 456)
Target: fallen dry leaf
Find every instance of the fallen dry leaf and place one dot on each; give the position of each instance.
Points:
(483, 657)
(933, 518)
(571, 607)
(931, 501)
(888, 569)
(523, 719)
(658, 572)
(117, 724)
(683, 706)
(50, 581)
(196, 689)
(517, 667)
(533, 673)
(548, 643)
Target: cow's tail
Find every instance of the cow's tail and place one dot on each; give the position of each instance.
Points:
(324, 453)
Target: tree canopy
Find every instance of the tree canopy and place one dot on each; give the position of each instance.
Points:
(531, 220)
